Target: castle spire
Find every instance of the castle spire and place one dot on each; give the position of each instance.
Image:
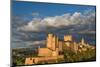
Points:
(82, 41)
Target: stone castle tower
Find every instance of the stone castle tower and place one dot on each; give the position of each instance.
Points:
(52, 42)
(68, 38)
(49, 41)
(70, 44)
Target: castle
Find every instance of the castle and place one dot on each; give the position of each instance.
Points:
(48, 53)
(54, 48)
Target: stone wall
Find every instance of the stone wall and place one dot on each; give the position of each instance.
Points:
(44, 52)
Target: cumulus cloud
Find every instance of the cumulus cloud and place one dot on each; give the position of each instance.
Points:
(67, 19)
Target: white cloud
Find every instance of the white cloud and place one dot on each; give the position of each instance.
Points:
(36, 42)
(58, 21)
(35, 14)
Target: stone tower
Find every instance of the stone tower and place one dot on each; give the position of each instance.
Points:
(49, 41)
(53, 43)
(68, 38)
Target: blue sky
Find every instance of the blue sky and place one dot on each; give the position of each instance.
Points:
(47, 9)
(31, 21)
